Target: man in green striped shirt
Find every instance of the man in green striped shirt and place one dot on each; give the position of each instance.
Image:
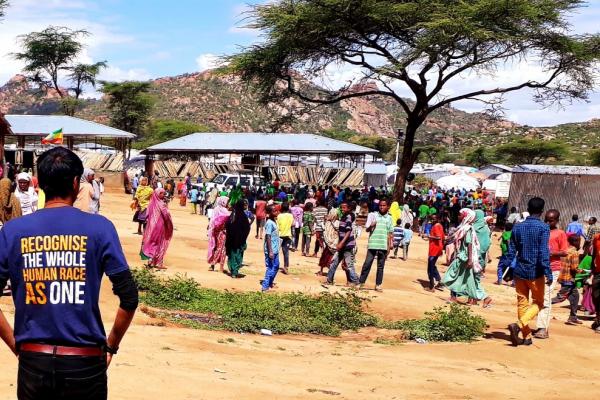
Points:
(380, 228)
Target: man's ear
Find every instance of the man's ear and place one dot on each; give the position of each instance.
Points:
(76, 182)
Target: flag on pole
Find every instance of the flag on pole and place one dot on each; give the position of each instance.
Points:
(55, 137)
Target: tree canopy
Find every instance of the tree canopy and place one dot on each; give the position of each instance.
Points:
(161, 130)
(50, 54)
(129, 104)
(420, 46)
(480, 156)
(532, 151)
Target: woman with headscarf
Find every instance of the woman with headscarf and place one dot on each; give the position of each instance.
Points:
(330, 239)
(158, 232)
(142, 200)
(26, 194)
(395, 212)
(86, 195)
(237, 229)
(471, 240)
(407, 216)
(217, 234)
(10, 207)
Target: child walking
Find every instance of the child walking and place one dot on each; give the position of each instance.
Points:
(406, 238)
(568, 290)
(308, 228)
(194, 199)
(397, 237)
(271, 248)
(504, 242)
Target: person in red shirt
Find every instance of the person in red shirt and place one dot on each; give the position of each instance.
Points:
(436, 249)
(559, 246)
(595, 248)
(260, 211)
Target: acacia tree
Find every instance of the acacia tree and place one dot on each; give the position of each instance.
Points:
(419, 45)
(531, 151)
(129, 104)
(52, 52)
(594, 157)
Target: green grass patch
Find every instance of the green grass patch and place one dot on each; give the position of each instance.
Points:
(184, 301)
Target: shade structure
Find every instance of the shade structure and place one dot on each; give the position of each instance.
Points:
(458, 182)
(480, 176)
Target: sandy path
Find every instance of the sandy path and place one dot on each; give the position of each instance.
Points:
(167, 362)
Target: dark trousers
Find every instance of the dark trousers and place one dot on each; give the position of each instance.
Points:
(296, 233)
(432, 271)
(371, 255)
(318, 240)
(569, 291)
(596, 294)
(48, 377)
(285, 247)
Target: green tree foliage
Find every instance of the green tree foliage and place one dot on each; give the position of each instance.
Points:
(420, 45)
(594, 157)
(129, 104)
(480, 156)
(383, 145)
(3, 5)
(532, 151)
(433, 153)
(161, 130)
(50, 53)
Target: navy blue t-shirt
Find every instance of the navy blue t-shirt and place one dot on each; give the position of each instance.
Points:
(55, 259)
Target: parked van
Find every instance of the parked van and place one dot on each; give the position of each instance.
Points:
(244, 178)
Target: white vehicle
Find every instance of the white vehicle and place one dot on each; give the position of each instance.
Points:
(243, 178)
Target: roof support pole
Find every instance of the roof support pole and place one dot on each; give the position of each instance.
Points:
(149, 165)
(70, 141)
(20, 151)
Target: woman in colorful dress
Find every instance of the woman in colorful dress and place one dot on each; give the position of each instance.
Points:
(159, 231)
(217, 234)
(142, 200)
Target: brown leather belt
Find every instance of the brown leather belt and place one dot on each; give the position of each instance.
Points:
(62, 350)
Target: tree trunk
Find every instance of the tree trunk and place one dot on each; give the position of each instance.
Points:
(409, 157)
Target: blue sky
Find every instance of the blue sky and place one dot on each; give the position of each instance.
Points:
(153, 38)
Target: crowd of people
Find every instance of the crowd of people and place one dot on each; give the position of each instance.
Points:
(326, 223)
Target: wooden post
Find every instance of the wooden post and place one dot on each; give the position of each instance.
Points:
(70, 141)
(149, 165)
(19, 152)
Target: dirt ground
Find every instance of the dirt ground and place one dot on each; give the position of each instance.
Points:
(170, 362)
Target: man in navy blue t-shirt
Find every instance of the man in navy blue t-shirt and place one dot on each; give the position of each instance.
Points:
(55, 259)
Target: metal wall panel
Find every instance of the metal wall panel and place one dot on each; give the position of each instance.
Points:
(569, 194)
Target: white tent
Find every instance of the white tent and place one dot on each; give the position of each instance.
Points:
(458, 182)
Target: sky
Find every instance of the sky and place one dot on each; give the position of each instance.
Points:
(145, 39)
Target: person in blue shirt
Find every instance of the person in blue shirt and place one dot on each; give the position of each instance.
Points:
(407, 237)
(271, 248)
(575, 227)
(55, 259)
(529, 248)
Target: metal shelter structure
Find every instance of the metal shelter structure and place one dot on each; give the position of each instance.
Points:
(34, 127)
(253, 145)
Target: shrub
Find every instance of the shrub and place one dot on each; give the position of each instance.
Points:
(454, 324)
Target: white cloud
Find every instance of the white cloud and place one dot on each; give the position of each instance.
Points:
(207, 61)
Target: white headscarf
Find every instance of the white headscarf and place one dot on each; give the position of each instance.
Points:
(465, 226)
(23, 176)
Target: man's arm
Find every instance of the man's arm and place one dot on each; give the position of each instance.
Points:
(124, 287)
(544, 254)
(6, 332)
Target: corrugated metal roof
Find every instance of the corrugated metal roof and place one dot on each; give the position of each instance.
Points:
(41, 125)
(262, 143)
(557, 169)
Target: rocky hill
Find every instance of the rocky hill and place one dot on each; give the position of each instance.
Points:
(222, 103)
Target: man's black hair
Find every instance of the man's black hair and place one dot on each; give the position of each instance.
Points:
(285, 206)
(536, 205)
(513, 209)
(575, 217)
(57, 169)
(508, 226)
